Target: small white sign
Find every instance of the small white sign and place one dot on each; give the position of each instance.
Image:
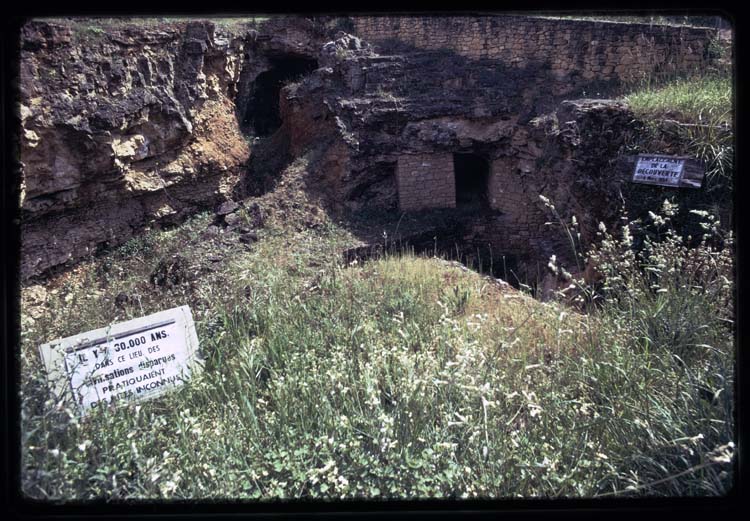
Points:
(658, 170)
(134, 360)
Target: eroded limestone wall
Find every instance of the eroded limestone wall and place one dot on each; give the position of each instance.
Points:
(128, 124)
(575, 51)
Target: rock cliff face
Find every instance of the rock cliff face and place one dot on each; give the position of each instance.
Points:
(127, 125)
(122, 128)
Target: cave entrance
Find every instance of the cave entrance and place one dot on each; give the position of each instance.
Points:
(472, 177)
(262, 113)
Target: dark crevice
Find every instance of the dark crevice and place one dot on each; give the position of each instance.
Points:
(377, 187)
(262, 112)
(472, 177)
(269, 157)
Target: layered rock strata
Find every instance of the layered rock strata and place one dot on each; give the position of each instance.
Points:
(127, 125)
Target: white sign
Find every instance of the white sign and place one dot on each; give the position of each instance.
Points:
(658, 170)
(134, 360)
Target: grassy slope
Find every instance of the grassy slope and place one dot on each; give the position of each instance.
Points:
(403, 377)
(688, 21)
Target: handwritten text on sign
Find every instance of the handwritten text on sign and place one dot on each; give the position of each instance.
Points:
(133, 360)
(658, 170)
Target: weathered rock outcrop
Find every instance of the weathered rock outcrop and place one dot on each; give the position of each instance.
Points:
(398, 123)
(122, 128)
(127, 125)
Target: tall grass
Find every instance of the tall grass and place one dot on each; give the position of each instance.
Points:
(408, 378)
(699, 111)
(705, 99)
(672, 297)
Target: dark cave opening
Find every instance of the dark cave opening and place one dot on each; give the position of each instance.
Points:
(262, 112)
(472, 176)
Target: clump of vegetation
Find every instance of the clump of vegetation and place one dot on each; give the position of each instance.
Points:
(695, 112)
(703, 99)
(408, 377)
(671, 295)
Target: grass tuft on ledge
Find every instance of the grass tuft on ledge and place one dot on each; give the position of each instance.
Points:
(705, 100)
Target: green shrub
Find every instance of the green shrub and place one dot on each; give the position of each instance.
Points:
(665, 308)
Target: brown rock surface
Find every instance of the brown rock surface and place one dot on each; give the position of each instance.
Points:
(126, 125)
(123, 127)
